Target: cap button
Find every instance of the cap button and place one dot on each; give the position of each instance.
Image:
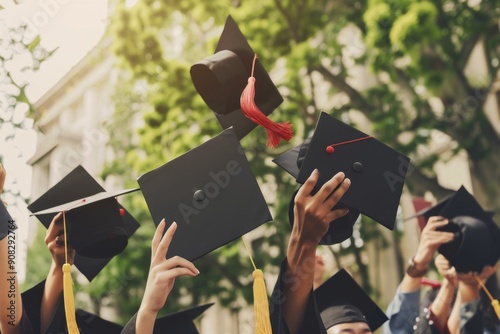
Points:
(199, 195)
(358, 167)
(122, 212)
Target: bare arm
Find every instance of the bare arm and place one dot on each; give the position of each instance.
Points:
(161, 278)
(430, 240)
(312, 218)
(442, 303)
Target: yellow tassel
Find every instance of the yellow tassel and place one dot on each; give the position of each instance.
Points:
(69, 302)
(260, 304)
(494, 302)
(496, 307)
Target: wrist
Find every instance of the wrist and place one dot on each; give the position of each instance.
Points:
(416, 268)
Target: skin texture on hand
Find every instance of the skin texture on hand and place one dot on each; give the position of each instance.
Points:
(430, 240)
(312, 215)
(161, 278)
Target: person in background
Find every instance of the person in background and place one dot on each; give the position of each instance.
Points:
(405, 306)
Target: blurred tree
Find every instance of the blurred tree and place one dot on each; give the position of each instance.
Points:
(417, 96)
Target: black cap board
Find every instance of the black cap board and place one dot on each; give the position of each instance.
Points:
(221, 78)
(98, 226)
(6, 222)
(377, 171)
(341, 300)
(180, 322)
(340, 229)
(210, 192)
(89, 323)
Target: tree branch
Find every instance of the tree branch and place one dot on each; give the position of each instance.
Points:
(356, 98)
(419, 183)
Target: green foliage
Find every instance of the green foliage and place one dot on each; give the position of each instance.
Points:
(415, 49)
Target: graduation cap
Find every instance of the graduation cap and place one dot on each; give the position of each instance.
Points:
(98, 226)
(341, 300)
(341, 228)
(6, 222)
(32, 303)
(376, 170)
(89, 323)
(180, 322)
(477, 237)
(210, 192)
(221, 79)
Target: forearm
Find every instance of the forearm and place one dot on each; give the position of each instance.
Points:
(51, 294)
(442, 303)
(145, 321)
(301, 258)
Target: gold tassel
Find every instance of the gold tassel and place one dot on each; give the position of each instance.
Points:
(494, 302)
(260, 303)
(69, 301)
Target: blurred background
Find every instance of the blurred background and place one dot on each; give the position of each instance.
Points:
(106, 84)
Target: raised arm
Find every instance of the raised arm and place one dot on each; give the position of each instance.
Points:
(312, 216)
(161, 279)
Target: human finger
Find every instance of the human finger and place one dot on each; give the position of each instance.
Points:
(157, 237)
(309, 185)
(338, 193)
(330, 186)
(54, 228)
(435, 222)
(178, 261)
(335, 214)
(162, 249)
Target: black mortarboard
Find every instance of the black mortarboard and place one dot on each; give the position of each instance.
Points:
(210, 192)
(376, 170)
(477, 237)
(341, 300)
(6, 221)
(89, 323)
(98, 226)
(180, 322)
(221, 78)
(340, 229)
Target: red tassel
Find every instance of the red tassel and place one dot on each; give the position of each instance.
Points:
(275, 131)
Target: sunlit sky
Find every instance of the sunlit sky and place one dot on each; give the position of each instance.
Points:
(72, 26)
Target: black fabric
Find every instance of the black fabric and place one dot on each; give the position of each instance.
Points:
(6, 222)
(312, 323)
(341, 314)
(216, 199)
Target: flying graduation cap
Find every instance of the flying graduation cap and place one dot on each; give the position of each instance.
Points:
(214, 197)
(6, 221)
(210, 192)
(97, 223)
(222, 78)
(341, 300)
(376, 170)
(341, 228)
(477, 237)
(92, 224)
